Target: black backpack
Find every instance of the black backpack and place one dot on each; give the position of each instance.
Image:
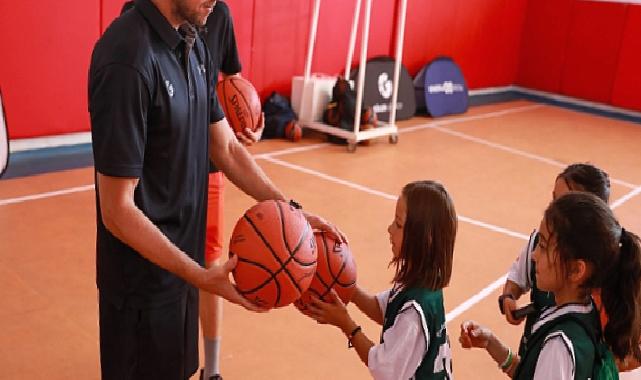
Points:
(278, 113)
(341, 109)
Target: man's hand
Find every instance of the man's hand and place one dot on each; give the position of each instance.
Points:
(321, 224)
(249, 137)
(216, 280)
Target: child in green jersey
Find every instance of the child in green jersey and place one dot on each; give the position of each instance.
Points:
(581, 247)
(414, 342)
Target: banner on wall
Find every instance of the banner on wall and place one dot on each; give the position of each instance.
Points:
(377, 92)
(4, 138)
(440, 88)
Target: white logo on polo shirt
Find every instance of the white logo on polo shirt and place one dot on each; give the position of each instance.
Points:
(170, 88)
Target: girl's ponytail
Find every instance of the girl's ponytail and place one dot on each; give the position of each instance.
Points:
(621, 295)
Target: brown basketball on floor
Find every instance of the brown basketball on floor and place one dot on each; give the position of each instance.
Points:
(276, 254)
(240, 102)
(293, 131)
(336, 270)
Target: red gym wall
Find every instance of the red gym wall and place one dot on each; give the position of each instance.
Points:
(585, 49)
(580, 48)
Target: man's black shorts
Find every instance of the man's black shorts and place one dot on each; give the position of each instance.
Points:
(152, 343)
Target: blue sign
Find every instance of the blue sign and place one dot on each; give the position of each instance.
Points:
(440, 88)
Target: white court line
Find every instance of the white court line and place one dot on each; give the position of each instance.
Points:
(519, 152)
(626, 198)
(463, 119)
(291, 150)
(478, 297)
(4, 202)
(414, 128)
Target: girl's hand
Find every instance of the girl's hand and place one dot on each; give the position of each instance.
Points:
(332, 312)
(474, 335)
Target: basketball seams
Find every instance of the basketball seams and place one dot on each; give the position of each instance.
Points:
(282, 264)
(242, 95)
(334, 277)
(261, 266)
(304, 235)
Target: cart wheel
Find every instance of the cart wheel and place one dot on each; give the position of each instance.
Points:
(393, 139)
(351, 147)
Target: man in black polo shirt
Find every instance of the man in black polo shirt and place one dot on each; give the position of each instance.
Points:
(152, 116)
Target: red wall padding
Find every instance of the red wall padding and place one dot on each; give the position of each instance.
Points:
(545, 37)
(585, 49)
(592, 51)
(46, 49)
(627, 83)
(481, 36)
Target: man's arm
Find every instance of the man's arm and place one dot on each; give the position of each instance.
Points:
(239, 166)
(128, 223)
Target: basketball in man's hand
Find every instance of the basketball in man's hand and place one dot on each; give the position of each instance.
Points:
(240, 102)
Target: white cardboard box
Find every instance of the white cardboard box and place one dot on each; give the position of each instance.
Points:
(310, 99)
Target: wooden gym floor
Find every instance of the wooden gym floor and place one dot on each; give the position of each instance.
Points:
(498, 161)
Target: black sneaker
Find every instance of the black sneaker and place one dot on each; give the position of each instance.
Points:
(215, 377)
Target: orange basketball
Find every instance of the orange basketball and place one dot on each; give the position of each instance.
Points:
(240, 102)
(336, 270)
(276, 254)
(293, 131)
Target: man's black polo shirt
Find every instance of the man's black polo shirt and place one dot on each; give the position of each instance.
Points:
(150, 120)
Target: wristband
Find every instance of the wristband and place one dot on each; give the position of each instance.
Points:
(501, 298)
(351, 336)
(508, 360)
(295, 204)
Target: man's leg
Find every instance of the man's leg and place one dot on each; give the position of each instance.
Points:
(211, 306)
(152, 343)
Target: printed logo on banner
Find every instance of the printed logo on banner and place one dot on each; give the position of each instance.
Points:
(447, 87)
(384, 86)
(440, 88)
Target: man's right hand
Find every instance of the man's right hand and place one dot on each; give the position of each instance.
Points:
(216, 280)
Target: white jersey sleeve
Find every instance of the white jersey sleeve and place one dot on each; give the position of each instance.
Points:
(382, 299)
(556, 360)
(520, 270)
(406, 343)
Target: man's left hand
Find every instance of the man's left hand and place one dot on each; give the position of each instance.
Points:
(249, 137)
(321, 224)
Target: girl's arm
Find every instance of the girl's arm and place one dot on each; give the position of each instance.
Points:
(361, 343)
(475, 335)
(368, 304)
(335, 313)
(405, 342)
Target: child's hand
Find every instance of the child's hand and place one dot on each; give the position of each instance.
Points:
(509, 305)
(332, 312)
(474, 335)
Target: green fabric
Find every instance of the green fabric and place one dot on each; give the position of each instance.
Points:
(593, 358)
(437, 363)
